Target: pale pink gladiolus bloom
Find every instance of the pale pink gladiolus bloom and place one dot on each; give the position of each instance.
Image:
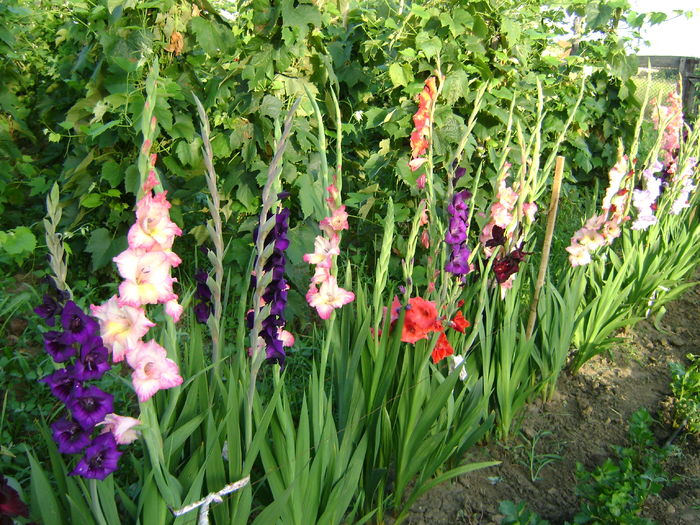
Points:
(590, 239)
(579, 255)
(530, 210)
(146, 276)
(507, 197)
(336, 222)
(617, 173)
(174, 309)
(414, 164)
(286, 337)
(501, 215)
(153, 371)
(329, 297)
(153, 228)
(120, 326)
(122, 427)
(320, 275)
(611, 231)
(323, 250)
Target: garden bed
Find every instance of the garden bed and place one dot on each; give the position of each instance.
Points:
(590, 412)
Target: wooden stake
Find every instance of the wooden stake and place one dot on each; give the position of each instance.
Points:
(546, 247)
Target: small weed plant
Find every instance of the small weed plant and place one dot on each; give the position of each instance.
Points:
(685, 387)
(615, 491)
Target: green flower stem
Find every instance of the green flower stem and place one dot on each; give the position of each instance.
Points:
(95, 503)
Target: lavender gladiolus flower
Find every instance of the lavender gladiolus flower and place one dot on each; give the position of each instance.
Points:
(100, 459)
(70, 436)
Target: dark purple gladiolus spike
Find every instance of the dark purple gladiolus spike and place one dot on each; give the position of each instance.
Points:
(201, 276)
(459, 173)
(48, 310)
(93, 362)
(10, 503)
(100, 459)
(63, 383)
(69, 436)
(202, 310)
(276, 292)
(90, 406)
(283, 195)
(59, 346)
(77, 324)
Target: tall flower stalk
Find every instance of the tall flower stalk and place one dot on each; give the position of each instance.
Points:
(262, 310)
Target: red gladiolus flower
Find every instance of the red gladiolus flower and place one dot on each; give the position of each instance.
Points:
(421, 319)
(459, 323)
(442, 349)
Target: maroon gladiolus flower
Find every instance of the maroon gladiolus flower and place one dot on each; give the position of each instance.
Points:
(90, 406)
(10, 504)
(69, 436)
(100, 459)
(508, 265)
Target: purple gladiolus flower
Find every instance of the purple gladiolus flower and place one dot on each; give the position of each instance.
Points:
(63, 383)
(59, 346)
(94, 360)
(70, 436)
(202, 310)
(456, 235)
(48, 310)
(78, 325)
(100, 459)
(90, 406)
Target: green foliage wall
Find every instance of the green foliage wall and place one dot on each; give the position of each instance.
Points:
(73, 96)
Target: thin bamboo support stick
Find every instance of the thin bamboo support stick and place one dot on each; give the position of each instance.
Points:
(546, 247)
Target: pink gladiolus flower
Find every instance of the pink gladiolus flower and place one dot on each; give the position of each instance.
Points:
(329, 297)
(506, 196)
(122, 427)
(578, 255)
(174, 309)
(414, 164)
(530, 210)
(153, 228)
(589, 238)
(323, 249)
(336, 222)
(500, 215)
(146, 276)
(425, 239)
(420, 181)
(286, 337)
(153, 371)
(120, 326)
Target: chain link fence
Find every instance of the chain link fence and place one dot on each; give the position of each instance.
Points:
(664, 74)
